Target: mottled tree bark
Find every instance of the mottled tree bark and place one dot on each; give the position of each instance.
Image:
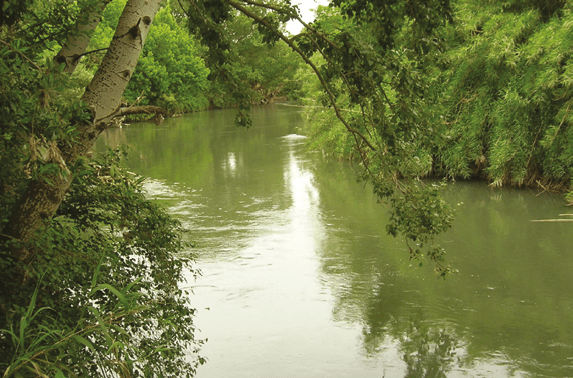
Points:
(41, 200)
(77, 43)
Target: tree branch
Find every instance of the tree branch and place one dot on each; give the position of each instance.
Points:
(295, 48)
(145, 109)
(77, 57)
(294, 16)
(77, 44)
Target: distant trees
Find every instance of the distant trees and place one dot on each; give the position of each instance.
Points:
(264, 71)
(170, 72)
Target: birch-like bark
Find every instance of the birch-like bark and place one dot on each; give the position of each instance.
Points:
(77, 43)
(103, 95)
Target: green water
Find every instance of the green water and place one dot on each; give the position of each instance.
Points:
(300, 280)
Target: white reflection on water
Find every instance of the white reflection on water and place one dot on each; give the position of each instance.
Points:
(231, 163)
(268, 314)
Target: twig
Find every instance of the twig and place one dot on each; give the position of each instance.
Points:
(295, 48)
(541, 185)
(77, 57)
(8, 236)
(137, 100)
(22, 55)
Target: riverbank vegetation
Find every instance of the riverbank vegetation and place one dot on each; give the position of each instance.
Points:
(409, 89)
(91, 269)
(498, 93)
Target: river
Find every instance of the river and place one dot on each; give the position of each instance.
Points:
(300, 280)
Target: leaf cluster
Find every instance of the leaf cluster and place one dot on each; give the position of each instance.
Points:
(36, 119)
(506, 96)
(104, 285)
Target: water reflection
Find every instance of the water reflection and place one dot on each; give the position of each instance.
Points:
(301, 280)
(501, 316)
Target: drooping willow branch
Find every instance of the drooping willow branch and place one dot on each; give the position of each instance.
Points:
(295, 48)
(295, 16)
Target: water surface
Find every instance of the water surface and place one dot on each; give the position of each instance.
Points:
(300, 280)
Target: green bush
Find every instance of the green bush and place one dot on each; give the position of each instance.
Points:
(102, 297)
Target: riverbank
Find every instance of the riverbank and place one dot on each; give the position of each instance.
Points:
(442, 157)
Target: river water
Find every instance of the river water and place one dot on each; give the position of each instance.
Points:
(300, 280)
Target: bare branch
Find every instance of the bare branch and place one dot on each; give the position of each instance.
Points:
(77, 57)
(146, 109)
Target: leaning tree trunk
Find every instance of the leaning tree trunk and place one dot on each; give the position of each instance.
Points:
(78, 42)
(103, 95)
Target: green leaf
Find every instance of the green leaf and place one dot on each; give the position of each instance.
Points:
(84, 341)
(96, 273)
(116, 292)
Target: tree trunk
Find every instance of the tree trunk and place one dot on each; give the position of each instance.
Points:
(77, 43)
(103, 95)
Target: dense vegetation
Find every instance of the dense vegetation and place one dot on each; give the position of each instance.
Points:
(410, 89)
(499, 95)
(264, 72)
(169, 73)
(101, 297)
(507, 94)
(92, 290)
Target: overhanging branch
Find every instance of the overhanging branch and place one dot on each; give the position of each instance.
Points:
(295, 48)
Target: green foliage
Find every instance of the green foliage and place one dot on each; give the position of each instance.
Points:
(41, 351)
(247, 65)
(265, 71)
(375, 75)
(35, 118)
(106, 278)
(106, 28)
(330, 136)
(420, 214)
(169, 73)
(371, 61)
(99, 294)
(51, 20)
(11, 11)
(506, 92)
(487, 95)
